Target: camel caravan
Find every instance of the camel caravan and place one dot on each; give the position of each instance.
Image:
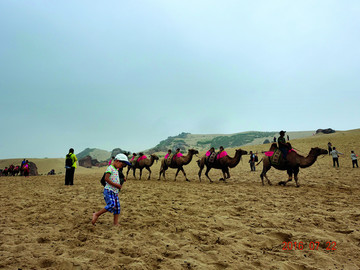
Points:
(11, 171)
(281, 156)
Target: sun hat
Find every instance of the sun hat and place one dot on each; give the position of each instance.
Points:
(122, 158)
(282, 132)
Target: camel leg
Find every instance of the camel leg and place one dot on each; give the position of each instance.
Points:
(162, 171)
(149, 172)
(207, 173)
(177, 171)
(296, 171)
(263, 174)
(201, 168)
(182, 169)
(228, 173)
(268, 180)
(224, 175)
(140, 172)
(290, 173)
(134, 169)
(128, 170)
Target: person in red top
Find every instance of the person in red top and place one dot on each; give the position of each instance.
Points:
(26, 169)
(168, 154)
(210, 151)
(178, 153)
(221, 153)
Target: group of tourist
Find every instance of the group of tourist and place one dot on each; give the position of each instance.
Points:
(23, 169)
(335, 156)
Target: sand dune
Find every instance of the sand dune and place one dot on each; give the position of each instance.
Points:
(188, 225)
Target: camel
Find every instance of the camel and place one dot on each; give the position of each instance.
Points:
(223, 164)
(178, 164)
(293, 162)
(144, 163)
(16, 171)
(11, 169)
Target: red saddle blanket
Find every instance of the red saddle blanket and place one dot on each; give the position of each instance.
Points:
(270, 153)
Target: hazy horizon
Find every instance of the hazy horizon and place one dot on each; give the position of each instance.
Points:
(110, 150)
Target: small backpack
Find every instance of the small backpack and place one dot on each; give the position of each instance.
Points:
(102, 181)
(121, 176)
(68, 161)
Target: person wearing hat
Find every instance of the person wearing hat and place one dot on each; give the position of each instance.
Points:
(112, 188)
(282, 144)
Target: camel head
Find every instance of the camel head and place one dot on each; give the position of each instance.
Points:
(242, 152)
(318, 151)
(193, 151)
(155, 157)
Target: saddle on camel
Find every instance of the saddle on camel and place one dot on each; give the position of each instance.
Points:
(170, 158)
(276, 156)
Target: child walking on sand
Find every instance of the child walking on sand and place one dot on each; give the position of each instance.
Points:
(112, 188)
(354, 159)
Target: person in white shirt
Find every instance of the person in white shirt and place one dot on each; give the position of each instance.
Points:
(354, 159)
(335, 155)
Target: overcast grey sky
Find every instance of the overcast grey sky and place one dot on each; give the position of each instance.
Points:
(128, 74)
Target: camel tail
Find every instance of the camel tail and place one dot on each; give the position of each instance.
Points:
(259, 162)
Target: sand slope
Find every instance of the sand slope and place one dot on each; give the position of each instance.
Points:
(179, 225)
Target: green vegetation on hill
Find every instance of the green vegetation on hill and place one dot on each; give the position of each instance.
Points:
(236, 139)
(171, 142)
(184, 141)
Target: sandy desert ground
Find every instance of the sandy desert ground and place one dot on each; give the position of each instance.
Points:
(171, 224)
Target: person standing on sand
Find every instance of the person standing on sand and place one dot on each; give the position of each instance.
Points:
(335, 155)
(112, 188)
(26, 169)
(329, 148)
(70, 165)
(354, 159)
(252, 161)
